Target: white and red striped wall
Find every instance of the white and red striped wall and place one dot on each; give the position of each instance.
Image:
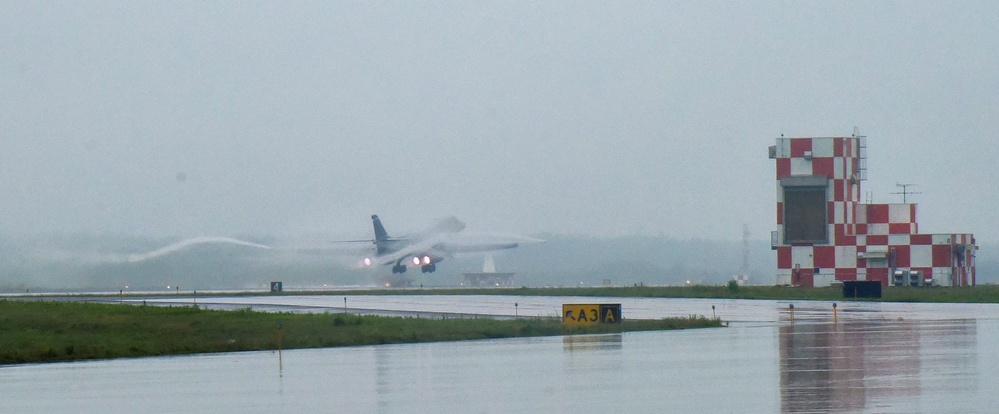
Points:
(865, 241)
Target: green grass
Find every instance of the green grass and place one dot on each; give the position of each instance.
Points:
(66, 331)
(973, 294)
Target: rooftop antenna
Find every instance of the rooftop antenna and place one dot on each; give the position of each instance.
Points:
(905, 191)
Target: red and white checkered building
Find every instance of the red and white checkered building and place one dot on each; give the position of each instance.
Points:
(825, 234)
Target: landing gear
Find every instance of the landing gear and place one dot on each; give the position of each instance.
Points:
(427, 265)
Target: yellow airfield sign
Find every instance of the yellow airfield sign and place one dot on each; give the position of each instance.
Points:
(589, 314)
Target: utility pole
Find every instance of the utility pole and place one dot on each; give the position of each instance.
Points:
(745, 250)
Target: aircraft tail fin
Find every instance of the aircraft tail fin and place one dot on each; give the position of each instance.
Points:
(380, 233)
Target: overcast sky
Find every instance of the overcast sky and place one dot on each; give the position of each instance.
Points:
(597, 118)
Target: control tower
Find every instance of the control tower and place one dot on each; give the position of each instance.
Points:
(825, 234)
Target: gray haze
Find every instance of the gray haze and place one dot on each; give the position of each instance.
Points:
(168, 119)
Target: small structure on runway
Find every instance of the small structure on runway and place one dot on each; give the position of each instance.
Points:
(488, 277)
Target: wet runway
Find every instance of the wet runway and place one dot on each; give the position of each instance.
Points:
(877, 357)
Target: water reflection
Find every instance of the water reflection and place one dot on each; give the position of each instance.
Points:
(880, 358)
(583, 343)
(874, 363)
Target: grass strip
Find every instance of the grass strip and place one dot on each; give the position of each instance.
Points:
(66, 331)
(969, 294)
(973, 294)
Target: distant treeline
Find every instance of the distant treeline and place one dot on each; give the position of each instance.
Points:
(98, 262)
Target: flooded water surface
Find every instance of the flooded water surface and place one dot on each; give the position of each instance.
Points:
(874, 358)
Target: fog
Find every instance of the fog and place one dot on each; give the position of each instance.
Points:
(168, 120)
(82, 263)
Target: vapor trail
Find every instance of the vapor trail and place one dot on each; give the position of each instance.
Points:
(183, 244)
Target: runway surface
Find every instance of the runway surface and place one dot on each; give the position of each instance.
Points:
(877, 357)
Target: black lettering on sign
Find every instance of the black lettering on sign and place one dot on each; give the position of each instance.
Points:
(586, 314)
(610, 313)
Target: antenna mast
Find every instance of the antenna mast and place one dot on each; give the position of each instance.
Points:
(745, 249)
(905, 191)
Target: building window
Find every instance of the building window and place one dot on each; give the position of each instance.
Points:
(805, 212)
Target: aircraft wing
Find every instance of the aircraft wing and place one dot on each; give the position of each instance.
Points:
(446, 245)
(481, 242)
(426, 247)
